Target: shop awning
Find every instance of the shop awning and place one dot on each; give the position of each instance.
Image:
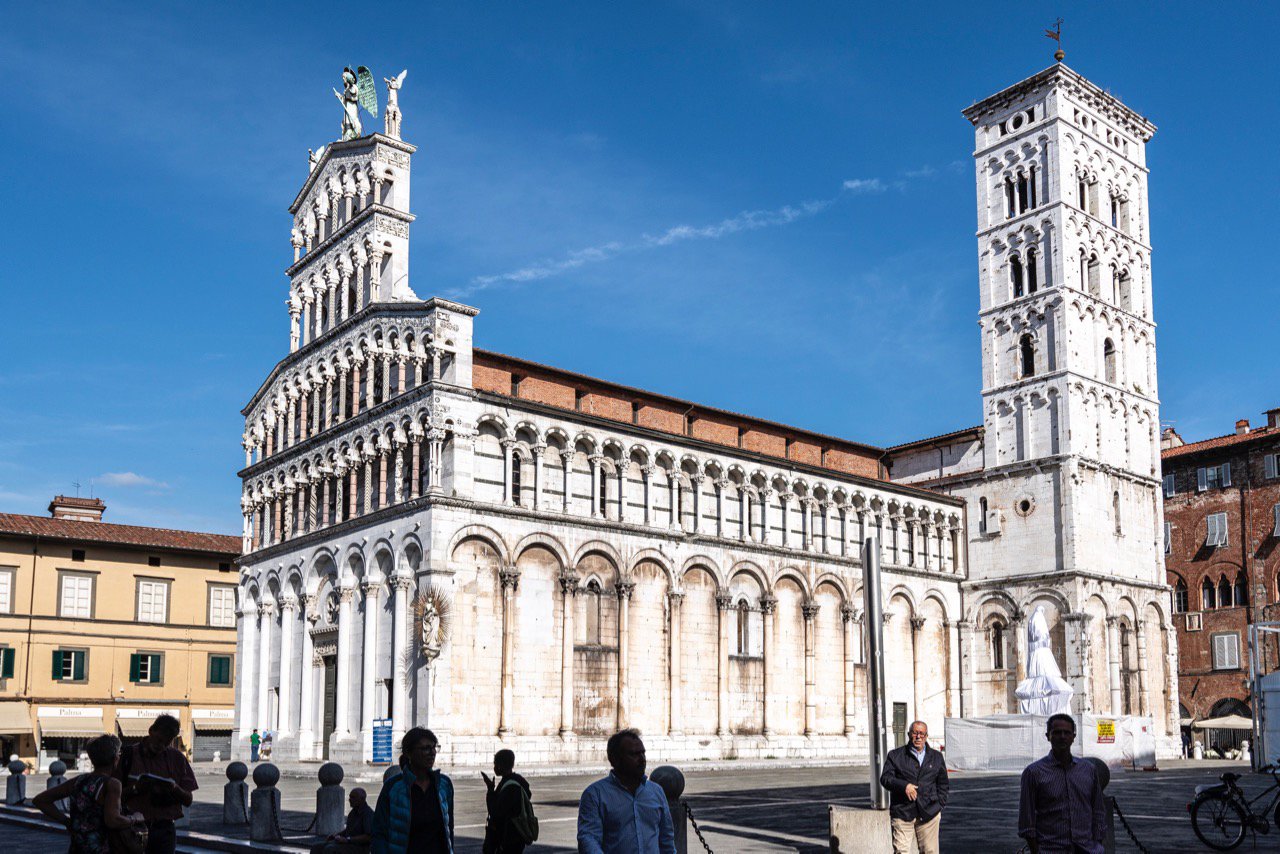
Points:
(1228, 722)
(134, 727)
(57, 726)
(15, 718)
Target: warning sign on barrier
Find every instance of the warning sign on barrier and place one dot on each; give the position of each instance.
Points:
(1106, 731)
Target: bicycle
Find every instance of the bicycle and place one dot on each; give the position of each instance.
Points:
(1220, 814)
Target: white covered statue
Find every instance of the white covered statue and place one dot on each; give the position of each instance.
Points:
(1044, 691)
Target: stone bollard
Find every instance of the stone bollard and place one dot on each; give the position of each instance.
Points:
(235, 795)
(264, 804)
(331, 800)
(671, 780)
(16, 790)
(58, 776)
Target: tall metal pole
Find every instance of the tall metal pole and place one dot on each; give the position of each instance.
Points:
(877, 735)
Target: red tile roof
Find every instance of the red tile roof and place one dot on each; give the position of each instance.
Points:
(15, 524)
(1220, 442)
(943, 439)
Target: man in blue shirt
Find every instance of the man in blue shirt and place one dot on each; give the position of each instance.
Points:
(625, 813)
(1062, 809)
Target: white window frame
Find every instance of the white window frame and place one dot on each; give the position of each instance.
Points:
(1225, 649)
(78, 610)
(1216, 530)
(1169, 485)
(8, 578)
(147, 608)
(1271, 466)
(1213, 477)
(1168, 537)
(222, 614)
(1275, 526)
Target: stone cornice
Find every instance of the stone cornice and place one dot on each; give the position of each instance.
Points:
(1058, 579)
(344, 147)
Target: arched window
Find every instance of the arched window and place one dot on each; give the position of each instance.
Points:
(1033, 276)
(1224, 592)
(1031, 186)
(1208, 597)
(1008, 196)
(1109, 361)
(1082, 193)
(1015, 275)
(1115, 285)
(1027, 351)
(1241, 591)
(593, 605)
(1124, 286)
(516, 483)
(982, 516)
(744, 628)
(1115, 212)
(1024, 193)
(1094, 284)
(1180, 597)
(1115, 510)
(997, 646)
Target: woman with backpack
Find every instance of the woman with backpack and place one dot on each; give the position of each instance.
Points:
(95, 802)
(511, 825)
(415, 810)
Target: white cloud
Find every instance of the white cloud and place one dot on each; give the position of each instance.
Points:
(128, 479)
(864, 185)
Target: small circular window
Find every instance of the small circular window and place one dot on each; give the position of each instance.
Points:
(1016, 122)
(1025, 505)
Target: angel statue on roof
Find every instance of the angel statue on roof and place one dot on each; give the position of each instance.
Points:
(391, 118)
(357, 91)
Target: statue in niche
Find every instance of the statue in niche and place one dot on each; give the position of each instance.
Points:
(1044, 691)
(431, 610)
(391, 118)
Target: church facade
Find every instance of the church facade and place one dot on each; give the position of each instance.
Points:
(516, 555)
(1062, 480)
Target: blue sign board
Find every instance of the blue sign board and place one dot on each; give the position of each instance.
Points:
(382, 741)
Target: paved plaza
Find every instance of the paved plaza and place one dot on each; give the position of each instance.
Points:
(761, 809)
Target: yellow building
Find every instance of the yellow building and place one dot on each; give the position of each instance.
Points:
(103, 627)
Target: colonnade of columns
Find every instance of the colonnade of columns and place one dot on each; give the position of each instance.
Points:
(262, 641)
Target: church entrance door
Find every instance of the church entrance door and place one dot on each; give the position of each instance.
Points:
(330, 702)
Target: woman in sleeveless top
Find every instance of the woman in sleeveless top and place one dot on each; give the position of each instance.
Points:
(94, 800)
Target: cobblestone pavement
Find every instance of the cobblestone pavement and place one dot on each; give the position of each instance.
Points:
(776, 808)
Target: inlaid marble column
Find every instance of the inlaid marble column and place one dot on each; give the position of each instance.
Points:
(674, 599)
(339, 508)
(369, 665)
(646, 472)
(288, 616)
(507, 451)
(383, 453)
(304, 414)
(1144, 702)
(624, 591)
(673, 485)
(809, 610)
(786, 521)
(266, 617)
(306, 700)
(1113, 659)
(355, 389)
(509, 578)
(723, 605)
(402, 592)
(568, 589)
(539, 451)
(744, 514)
(397, 489)
(722, 498)
(695, 487)
(597, 484)
(415, 466)
(369, 486)
(766, 536)
(622, 467)
(342, 714)
(847, 614)
(435, 443)
(768, 610)
(566, 459)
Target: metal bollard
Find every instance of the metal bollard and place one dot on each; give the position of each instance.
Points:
(58, 776)
(671, 780)
(331, 800)
(16, 789)
(235, 795)
(264, 804)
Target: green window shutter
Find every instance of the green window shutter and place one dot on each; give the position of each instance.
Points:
(57, 664)
(156, 675)
(219, 670)
(135, 665)
(6, 663)
(77, 666)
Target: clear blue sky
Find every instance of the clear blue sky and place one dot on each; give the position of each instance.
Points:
(149, 158)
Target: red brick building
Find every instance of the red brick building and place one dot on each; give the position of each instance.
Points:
(1222, 529)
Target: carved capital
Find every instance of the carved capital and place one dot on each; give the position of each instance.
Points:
(569, 585)
(266, 609)
(768, 604)
(723, 600)
(596, 460)
(402, 582)
(809, 610)
(346, 595)
(675, 597)
(370, 589)
(624, 589)
(917, 623)
(288, 604)
(849, 614)
(309, 610)
(509, 577)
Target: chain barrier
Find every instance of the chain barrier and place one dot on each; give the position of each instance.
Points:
(1115, 805)
(688, 810)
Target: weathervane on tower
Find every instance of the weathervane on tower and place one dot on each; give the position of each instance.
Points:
(1056, 35)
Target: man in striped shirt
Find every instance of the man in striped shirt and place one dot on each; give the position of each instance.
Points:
(1062, 810)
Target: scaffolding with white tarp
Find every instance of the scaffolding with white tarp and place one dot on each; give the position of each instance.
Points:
(1266, 698)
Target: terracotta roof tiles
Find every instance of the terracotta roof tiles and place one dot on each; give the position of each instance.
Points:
(15, 524)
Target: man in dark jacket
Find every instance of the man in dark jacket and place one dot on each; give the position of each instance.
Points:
(916, 777)
(505, 800)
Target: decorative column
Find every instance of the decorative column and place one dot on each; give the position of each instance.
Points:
(304, 413)
(435, 443)
(287, 529)
(624, 590)
(402, 591)
(539, 451)
(597, 484)
(288, 616)
(247, 687)
(342, 715)
(566, 457)
(1144, 702)
(397, 488)
(695, 486)
(507, 446)
(369, 662)
(965, 666)
(723, 604)
(568, 589)
(1113, 659)
(355, 389)
(510, 579)
(768, 608)
(646, 473)
(368, 482)
(622, 467)
(806, 523)
(674, 598)
(339, 508)
(293, 327)
(809, 610)
(722, 498)
(415, 466)
(846, 617)
(673, 484)
(786, 518)
(306, 699)
(383, 451)
(744, 514)
(917, 623)
(312, 499)
(765, 495)
(953, 669)
(266, 616)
